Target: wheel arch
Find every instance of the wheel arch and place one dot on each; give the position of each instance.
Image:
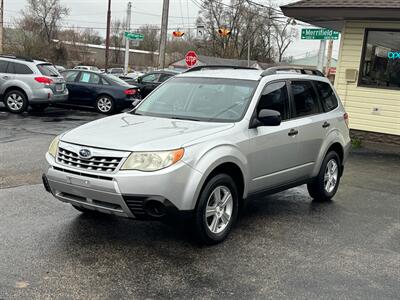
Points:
(15, 88)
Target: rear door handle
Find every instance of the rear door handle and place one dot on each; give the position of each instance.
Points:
(293, 132)
(326, 125)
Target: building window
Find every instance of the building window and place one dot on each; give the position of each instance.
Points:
(380, 62)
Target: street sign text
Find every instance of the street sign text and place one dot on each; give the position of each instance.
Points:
(319, 34)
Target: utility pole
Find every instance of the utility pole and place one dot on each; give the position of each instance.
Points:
(128, 28)
(1, 25)
(108, 34)
(321, 55)
(248, 54)
(329, 59)
(163, 37)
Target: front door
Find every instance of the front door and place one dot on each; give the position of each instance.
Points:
(273, 149)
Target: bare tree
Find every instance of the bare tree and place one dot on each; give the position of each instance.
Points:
(283, 36)
(117, 41)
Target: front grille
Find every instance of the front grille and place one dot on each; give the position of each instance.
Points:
(95, 163)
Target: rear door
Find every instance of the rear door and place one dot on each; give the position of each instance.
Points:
(308, 115)
(5, 77)
(87, 87)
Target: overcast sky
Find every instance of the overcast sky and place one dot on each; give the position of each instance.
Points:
(182, 14)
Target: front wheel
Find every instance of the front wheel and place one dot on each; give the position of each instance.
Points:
(105, 105)
(326, 184)
(217, 209)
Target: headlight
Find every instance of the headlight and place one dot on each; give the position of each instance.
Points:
(53, 147)
(152, 161)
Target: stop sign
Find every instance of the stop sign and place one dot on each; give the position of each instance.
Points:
(191, 58)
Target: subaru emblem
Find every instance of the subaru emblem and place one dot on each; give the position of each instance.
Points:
(84, 153)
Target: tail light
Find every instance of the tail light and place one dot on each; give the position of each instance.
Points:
(130, 92)
(44, 80)
(346, 118)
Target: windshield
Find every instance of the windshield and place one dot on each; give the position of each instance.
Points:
(200, 99)
(48, 70)
(115, 80)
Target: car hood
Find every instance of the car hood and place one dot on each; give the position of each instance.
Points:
(128, 132)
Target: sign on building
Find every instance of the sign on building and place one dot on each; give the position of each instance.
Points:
(319, 34)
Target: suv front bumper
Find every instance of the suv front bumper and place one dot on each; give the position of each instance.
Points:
(131, 194)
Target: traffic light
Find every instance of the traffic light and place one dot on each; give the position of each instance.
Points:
(224, 32)
(178, 34)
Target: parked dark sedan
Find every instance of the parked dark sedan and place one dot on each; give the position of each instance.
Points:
(148, 82)
(107, 93)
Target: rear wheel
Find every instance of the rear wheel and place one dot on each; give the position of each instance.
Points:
(217, 209)
(326, 184)
(105, 105)
(39, 107)
(16, 101)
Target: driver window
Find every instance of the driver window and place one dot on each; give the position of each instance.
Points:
(275, 97)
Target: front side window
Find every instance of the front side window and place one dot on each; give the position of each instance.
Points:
(304, 98)
(3, 66)
(380, 64)
(200, 99)
(164, 77)
(326, 95)
(275, 97)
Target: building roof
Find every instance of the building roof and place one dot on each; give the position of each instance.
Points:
(311, 61)
(347, 3)
(333, 13)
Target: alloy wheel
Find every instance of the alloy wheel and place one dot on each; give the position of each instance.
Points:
(15, 102)
(104, 104)
(219, 209)
(331, 175)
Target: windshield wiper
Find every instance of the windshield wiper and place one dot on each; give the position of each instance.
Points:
(184, 118)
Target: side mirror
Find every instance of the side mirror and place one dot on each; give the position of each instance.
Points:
(267, 117)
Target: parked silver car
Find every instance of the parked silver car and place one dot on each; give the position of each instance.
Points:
(26, 82)
(202, 143)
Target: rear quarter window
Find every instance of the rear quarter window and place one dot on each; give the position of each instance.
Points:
(326, 95)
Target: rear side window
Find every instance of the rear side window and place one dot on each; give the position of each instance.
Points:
(22, 69)
(164, 77)
(326, 95)
(70, 76)
(91, 78)
(48, 70)
(305, 99)
(3, 66)
(275, 97)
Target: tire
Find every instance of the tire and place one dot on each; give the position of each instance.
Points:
(105, 105)
(326, 184)
(216, 227)
(16, 101)
(39, 107)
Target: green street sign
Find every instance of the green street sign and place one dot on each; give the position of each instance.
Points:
(133, 36)
(319, 34)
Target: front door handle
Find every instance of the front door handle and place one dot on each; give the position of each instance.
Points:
(293, 132)
(326, 125)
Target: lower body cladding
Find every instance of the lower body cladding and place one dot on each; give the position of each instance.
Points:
(127, 196)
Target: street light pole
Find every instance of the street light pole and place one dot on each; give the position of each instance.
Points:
(108, 34)
(128, 28)
(163, 37)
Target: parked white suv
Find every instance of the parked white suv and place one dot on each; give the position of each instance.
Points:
(204, 142)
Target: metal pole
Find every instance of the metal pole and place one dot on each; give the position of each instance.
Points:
(108, 34)
(321, 55)
(163, 37)
(329, 59)
(248, 54)
(1, 25)
(128, 28)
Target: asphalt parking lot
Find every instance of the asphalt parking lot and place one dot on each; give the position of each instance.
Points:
(284, 246)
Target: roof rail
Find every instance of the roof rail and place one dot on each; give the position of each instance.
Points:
(301, 70)
(199, 68)
(17, 57)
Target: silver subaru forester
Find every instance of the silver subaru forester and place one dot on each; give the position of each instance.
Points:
(203, 143)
